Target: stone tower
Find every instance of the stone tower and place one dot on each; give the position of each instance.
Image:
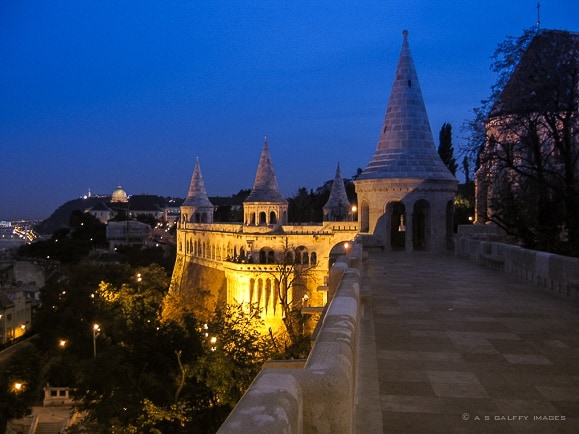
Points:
(265, 206)
(406, 193)
(337, 208)
(197, 208)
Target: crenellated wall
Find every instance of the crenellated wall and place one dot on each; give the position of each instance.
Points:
(320, 397)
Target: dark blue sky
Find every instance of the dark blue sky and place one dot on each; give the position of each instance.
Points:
(97, 93)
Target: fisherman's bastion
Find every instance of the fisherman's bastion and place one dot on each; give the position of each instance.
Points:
(405, 201)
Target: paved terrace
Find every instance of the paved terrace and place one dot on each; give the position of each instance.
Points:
(450, 346)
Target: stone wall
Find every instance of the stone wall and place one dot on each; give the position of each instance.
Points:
(320, 397)
(555, 273)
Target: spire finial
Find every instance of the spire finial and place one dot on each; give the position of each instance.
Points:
(405, 33)
(264, 139)
(538, 15)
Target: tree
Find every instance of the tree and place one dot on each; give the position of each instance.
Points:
(301, 207)
(466, 169)
(291, 270)
(530, 150)
(445, 148)
(234, 352)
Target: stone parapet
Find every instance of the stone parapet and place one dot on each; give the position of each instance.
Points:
(320, 397)
(556, 273)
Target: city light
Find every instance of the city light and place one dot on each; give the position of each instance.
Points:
(95, 330)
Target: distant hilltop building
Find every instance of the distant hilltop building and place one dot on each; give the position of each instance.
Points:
(119, 203)
(405, 198)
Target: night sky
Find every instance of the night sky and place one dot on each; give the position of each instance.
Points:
(99, 93)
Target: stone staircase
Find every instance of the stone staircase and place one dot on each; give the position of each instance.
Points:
(48, 428)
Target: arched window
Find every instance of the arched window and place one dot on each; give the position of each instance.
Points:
(313, 258)
(306, 259)
(270, 257)
(301, 255)
(272, 218)
(262, 256)
(262, 218)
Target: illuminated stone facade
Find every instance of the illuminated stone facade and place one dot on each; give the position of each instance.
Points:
(405, 201)
(242, 262)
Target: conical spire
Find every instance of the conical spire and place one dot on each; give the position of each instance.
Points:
(265, 187)
(197, 195)
(338, 205)
(406, 148)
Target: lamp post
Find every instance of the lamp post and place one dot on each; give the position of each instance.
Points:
(354, 216)
(95, 329)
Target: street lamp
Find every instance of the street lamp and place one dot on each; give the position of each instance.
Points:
(354, 209)
(17, 387)
(95, 330)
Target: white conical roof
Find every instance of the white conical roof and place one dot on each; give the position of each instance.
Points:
(197, 195)
(338, 196)
(406, 148)
(265, 187)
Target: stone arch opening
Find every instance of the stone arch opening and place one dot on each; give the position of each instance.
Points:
(397, 225)
(342, 248)
(262, 218)
(301, 255)
(272, 218)
(364, 217)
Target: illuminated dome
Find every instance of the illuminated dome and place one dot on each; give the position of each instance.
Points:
(119, 195)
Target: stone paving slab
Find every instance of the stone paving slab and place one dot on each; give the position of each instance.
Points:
(449, 346)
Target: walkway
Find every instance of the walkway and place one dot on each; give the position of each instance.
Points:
(449, 346)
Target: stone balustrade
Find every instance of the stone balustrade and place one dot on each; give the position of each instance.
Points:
(556, 273)
(319, 398)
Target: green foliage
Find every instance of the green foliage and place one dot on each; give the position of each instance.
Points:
(23, 368)
(69, 245)
(307, 207)
(445, 148)
(148, 375)
(235, 349)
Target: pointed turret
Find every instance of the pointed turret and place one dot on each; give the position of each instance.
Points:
(406, 193)
(406, 148)
(197, 208)
(265, 187)
(265, 205)
(338, 206)
(197, 195)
